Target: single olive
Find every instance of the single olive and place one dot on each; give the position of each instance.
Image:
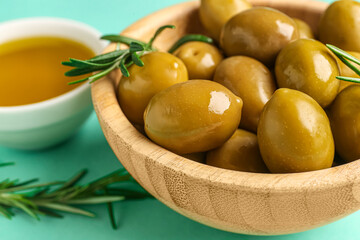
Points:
(344, 117)
(193, 116)
(294, 133)
(303, 28)
(251, 81)
(340, 25)
(241, 153)
(214, 14)
(308, 66)
(347, 72)
(160, 71)
(259, 33)
(201, 59)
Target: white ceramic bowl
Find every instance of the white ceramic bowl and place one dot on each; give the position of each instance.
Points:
(44, 124)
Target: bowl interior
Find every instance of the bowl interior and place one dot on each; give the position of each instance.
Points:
(251, 203)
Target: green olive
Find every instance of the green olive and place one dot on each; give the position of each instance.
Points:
(214, 14)
(194, 116)
(347, 72)
(251, 81)
(344, 116)
(200, 59)
(308, 66)
(160, 71)
(303, 28)
(340, 25)
(240, 153)
(258, 33)
(294, 133)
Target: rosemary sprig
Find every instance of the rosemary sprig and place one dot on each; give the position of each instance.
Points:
(346, 58)
(103, 64)
(54, 197)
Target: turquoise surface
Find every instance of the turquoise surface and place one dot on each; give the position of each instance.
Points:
(140, 219)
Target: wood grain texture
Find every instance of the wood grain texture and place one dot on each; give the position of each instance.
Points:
(249, 203)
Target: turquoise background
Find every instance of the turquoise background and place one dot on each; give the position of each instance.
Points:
(140, 219)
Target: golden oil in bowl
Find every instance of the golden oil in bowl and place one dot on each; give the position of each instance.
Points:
(31, 69)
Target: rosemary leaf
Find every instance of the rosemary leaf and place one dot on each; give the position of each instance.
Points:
(65, 208)
(349, 79)
(342, 53)
(190, 38)
(123, 68)
(157, 33)
(8, 183)
(107, 57)
(48, 212)
(26, 182)
(128, 193)
(23, 200)
(347, 63)
(136, 47)
(40, 193)
(93, 77)
(79, 81)
(5, 212)
(117, 176)
(111, 215)
(22, 188)
(136, 59)
(74, 180)
(102, 74)
(121, 39)
(82, 64)
(346, 58)
(81, 71)
(26, 209)
(71, 193)
(96, 200)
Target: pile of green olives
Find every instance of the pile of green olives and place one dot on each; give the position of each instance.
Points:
(262, 98)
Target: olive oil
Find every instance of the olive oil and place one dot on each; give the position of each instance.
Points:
(31, 70)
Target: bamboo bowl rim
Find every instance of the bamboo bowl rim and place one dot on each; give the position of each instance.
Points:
(108, 110)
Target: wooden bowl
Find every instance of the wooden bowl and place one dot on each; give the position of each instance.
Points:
(248, 203)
